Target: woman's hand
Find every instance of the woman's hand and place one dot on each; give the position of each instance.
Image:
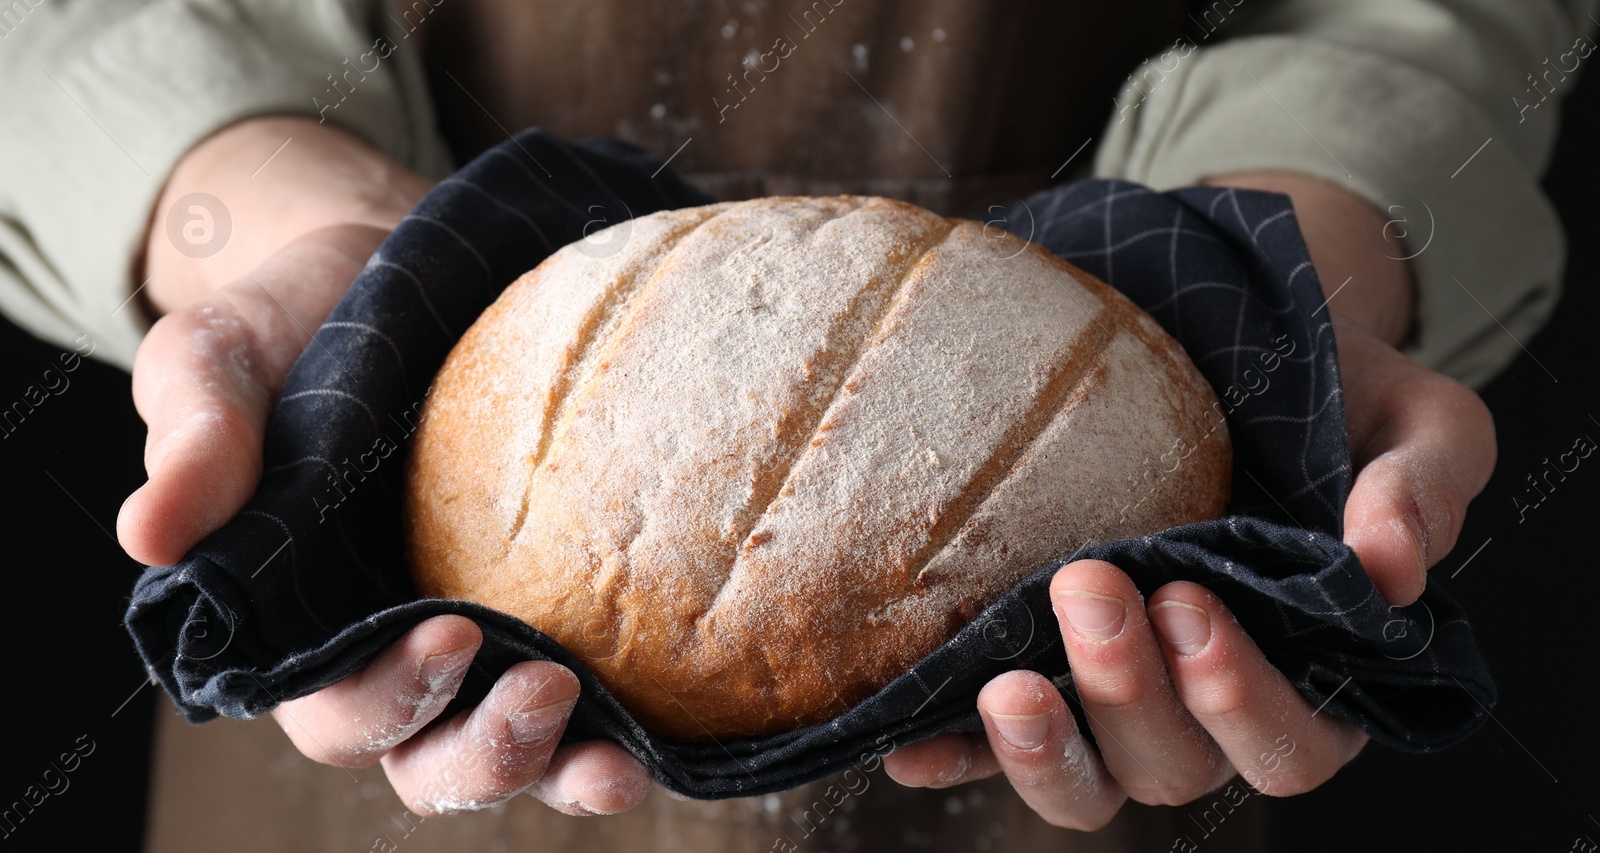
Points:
(1178, 696)
(478, 758)
(205, 379)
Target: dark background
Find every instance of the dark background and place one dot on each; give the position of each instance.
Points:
(1530, 780)
(69, 663)
(1527, 781)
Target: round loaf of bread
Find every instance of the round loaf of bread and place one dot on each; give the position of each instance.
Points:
(765, 456)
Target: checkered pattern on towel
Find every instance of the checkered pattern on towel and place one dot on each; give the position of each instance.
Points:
(308, 582)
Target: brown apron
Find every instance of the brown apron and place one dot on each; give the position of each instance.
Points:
(943, 103)
(937, 102)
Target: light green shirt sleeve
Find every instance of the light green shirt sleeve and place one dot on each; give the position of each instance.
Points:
(103, 98)
(1441, 112)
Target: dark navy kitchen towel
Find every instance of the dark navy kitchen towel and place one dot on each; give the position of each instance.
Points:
(309, 581)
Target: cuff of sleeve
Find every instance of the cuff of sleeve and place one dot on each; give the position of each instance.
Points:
(1484, 243)
(129, 104)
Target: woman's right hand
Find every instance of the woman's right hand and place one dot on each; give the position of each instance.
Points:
(233, 319)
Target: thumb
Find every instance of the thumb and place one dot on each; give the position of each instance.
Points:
(205, 379)
(1423, 446)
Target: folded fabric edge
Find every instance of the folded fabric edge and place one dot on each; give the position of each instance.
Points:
(179, 589)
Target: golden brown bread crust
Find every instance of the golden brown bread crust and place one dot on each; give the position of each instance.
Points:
(760, 461)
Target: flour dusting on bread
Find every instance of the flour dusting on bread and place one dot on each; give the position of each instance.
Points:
(771, 453)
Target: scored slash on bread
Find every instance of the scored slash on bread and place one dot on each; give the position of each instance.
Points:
(768, 455)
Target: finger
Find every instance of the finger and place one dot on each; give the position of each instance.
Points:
(1148, 740)
(488, 755)
(1046, 758)
(354, 722)
(203, 386)
(594, 777)
(204, 381)
(943, 761)
(1424, 446)
(1279, 743)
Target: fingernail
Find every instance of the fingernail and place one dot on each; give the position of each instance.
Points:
(956, 773)
(531, 725)
(175, 436)
(438, 671)
(1418, 540)
(1022, 731)
(1185, 627)
(1097, 617)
